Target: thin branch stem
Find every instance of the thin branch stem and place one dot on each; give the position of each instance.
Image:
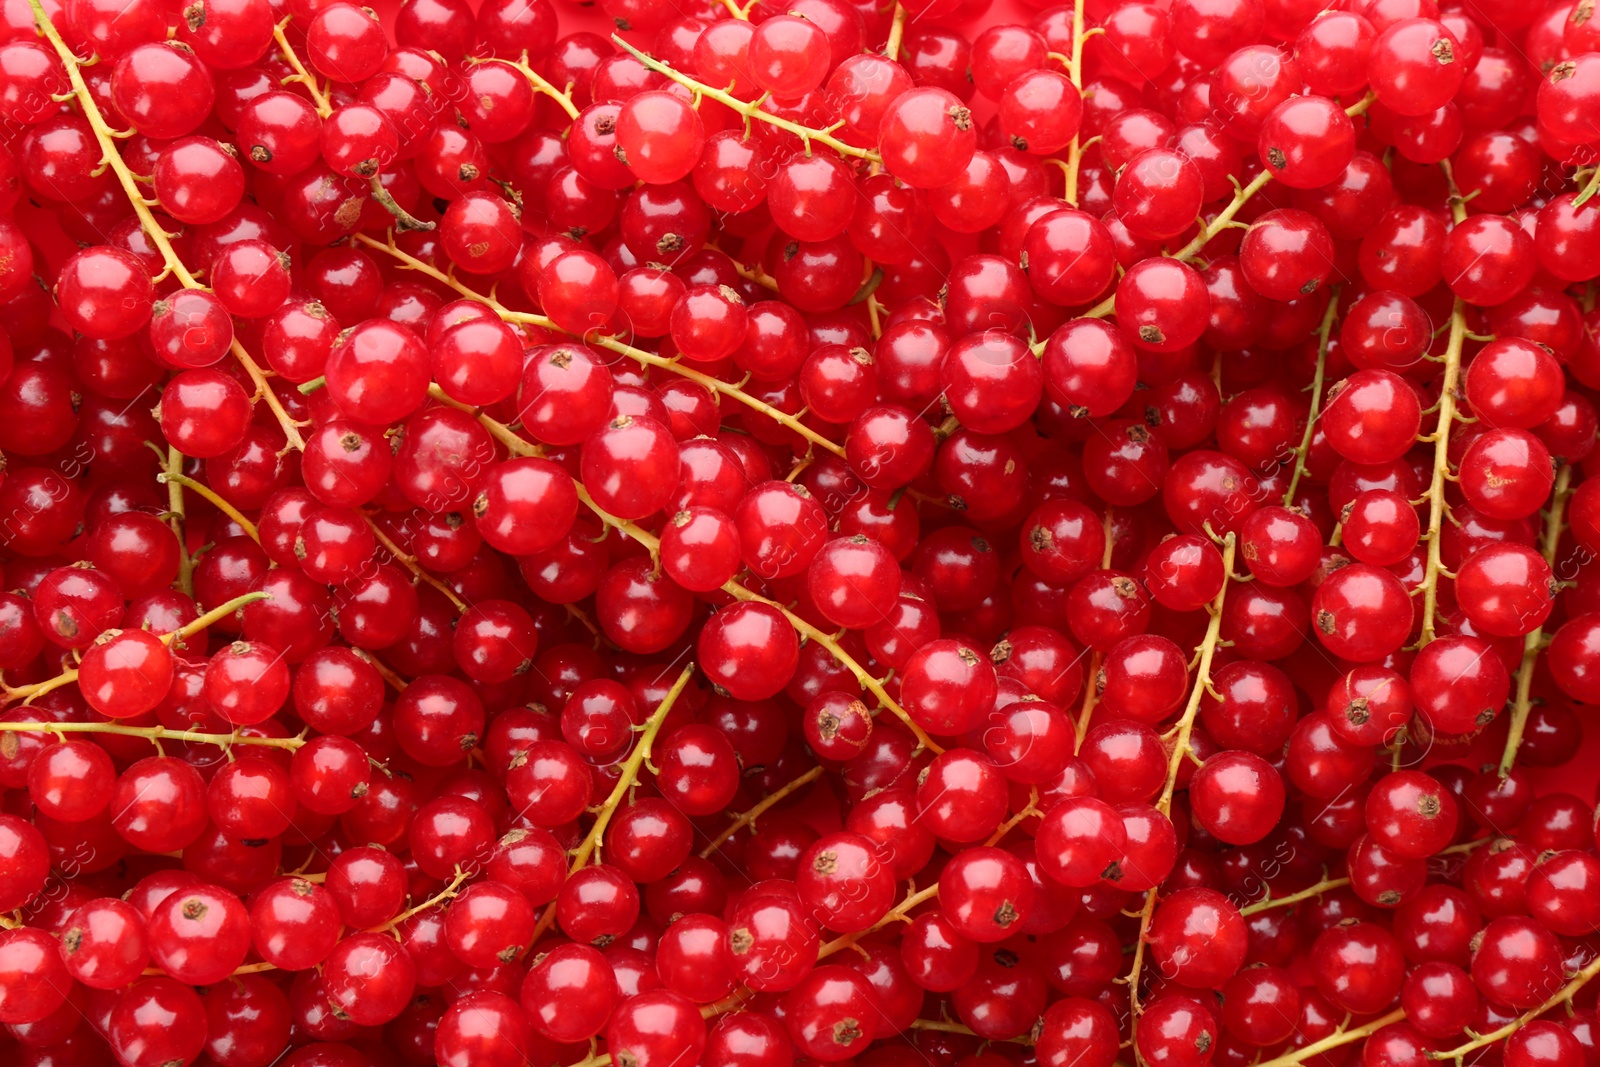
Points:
(409, 562)
(1324, 886)
(29, 693)
(1441, 470)
(174, 466)
(179, 479)
(747, 109)
(652, 544)
(1028, 811)
(1091, 690)
(248, 968)
(1224, 217)
(897, 32)
(1523, 704)
(404, 220)
(447, 893)
(26, 693)
(1334, 1040)
(1324, 334)
(150, 733)
(843, 658)
(1223, 220)
(397, 683)
(761, 808)
(901, 912)
(1343, 1036)
(1563, 996)
(540, 85)
(1075, 73)
(1202, 679)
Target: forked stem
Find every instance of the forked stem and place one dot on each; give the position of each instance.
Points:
(318, 98)
(177, 478)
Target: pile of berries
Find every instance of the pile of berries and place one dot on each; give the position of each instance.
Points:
(804, 532)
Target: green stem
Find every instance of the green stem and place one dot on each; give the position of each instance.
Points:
(1324, 333)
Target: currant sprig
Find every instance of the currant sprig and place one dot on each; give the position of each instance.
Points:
(639, 355)
(28, 693)
(752, 111)
(638, 757)
(506, 436)
(159, 239)
(1178, 736)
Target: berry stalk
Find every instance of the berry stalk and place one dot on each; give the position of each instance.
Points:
(172, 464)
(1329, 884)
(409, 562)
(1324, 333)
(897, 33)
(1308, 893)
(177, 478)
(537, 80)
(760, 808)
(151, 733)
(1090, 694)
(1531, 644)
(447, 893)
(1075, 73)
(1564, 996)
(318, 98)
(1440, 438)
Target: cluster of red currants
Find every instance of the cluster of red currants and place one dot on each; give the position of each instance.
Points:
(828, 531)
